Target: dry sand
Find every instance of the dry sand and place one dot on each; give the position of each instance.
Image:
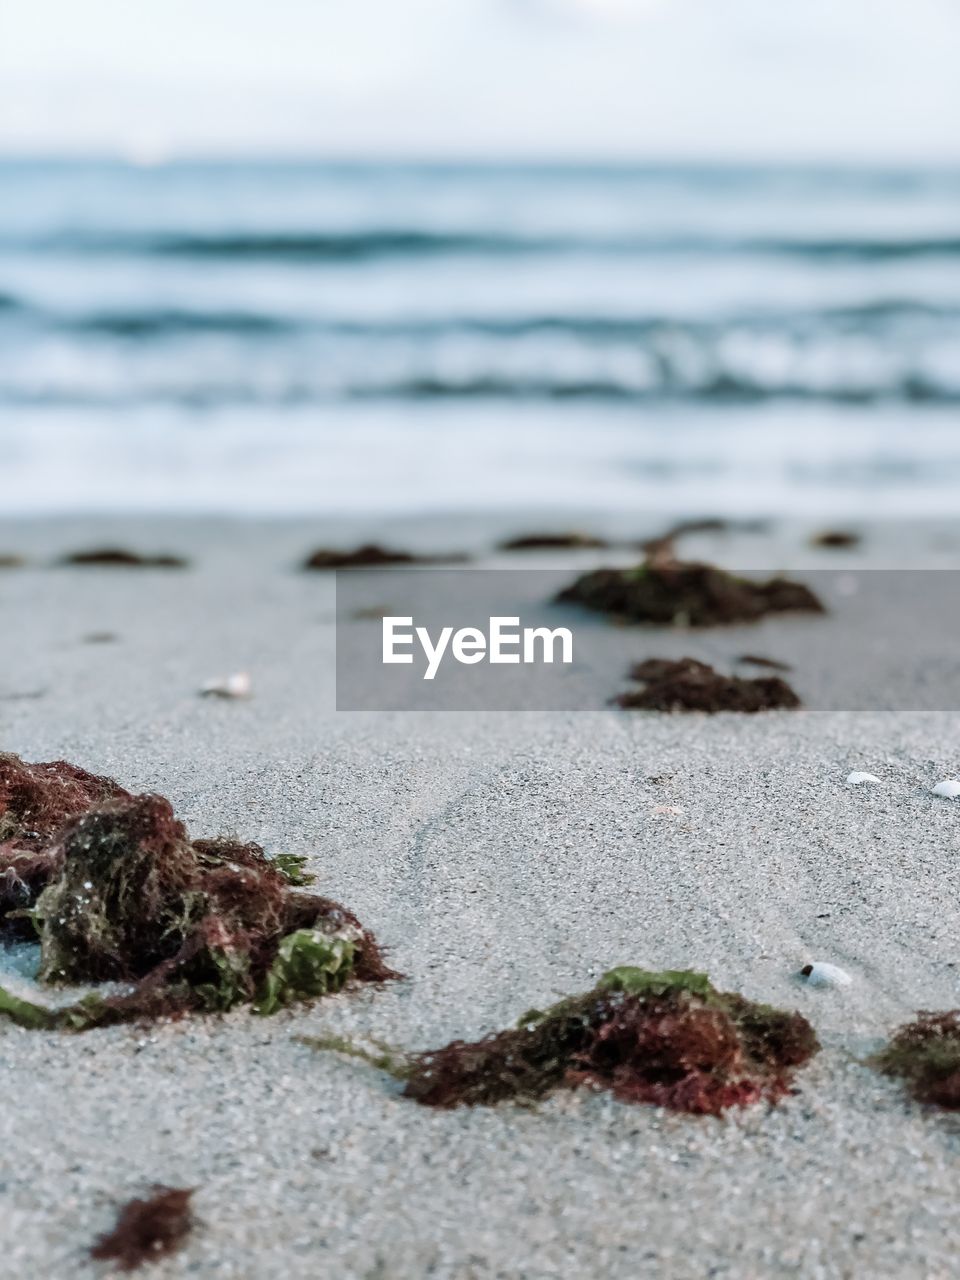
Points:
(504, 860)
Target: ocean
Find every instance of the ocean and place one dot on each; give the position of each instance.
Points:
(319, 337)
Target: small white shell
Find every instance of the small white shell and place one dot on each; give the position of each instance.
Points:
(235, 686)
(949, 788)
(821, 974)
(857, 778)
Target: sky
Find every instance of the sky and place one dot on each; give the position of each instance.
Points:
(705, 79)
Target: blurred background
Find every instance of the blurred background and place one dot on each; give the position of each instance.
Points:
(466, 255)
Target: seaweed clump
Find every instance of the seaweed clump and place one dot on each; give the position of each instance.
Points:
(36, 801)
(676, 593)
(689, 685)
(668, 1039)
(835, 539)
(572, 540)
(147, 1229)
(121, 557)
(926, 1054)
(120, 893)
(370, 556)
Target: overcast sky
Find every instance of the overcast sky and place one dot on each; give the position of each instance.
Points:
(704, 78)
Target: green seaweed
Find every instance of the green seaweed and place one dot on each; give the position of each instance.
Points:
(24, 1013)
(643, 982)
(393, 1062)
(308, 963)
(291, 867)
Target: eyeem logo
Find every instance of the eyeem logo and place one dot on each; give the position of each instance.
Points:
(504, 642)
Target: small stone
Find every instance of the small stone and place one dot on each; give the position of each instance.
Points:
(949, 788)
(857, 779)
(821, 974)
(234, 686)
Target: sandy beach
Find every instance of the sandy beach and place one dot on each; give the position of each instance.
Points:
(503, 860)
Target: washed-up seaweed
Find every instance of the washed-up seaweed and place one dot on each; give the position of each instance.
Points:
(371, 556)
(835, 539)
(116, 891)
(688, 685)
(677, 593)
(925, 1054)
(669, 1039)
(570, 540)
(147, 1229)
(123, 558)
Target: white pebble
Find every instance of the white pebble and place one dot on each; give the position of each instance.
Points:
(949, 788)
(235, 686)
(821, 974)
(857, 779)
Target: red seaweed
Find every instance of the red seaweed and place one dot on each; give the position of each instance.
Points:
(926, 1054)
(147, 1229)
(117, 891)
(669, 1039)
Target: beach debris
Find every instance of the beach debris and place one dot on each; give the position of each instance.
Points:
(9, 560)
(688, 685)
(822, 974)
(123, 558)
(661, 545)
(101, 637)
(756, 660)
(233, 686)
(835, 538)
(858, 779)
(926, 1055)
(118, 892)
(674, 593)
(371, 556)
(570, 540)
(147, 1229)
(669, 1039)
(949, 789)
